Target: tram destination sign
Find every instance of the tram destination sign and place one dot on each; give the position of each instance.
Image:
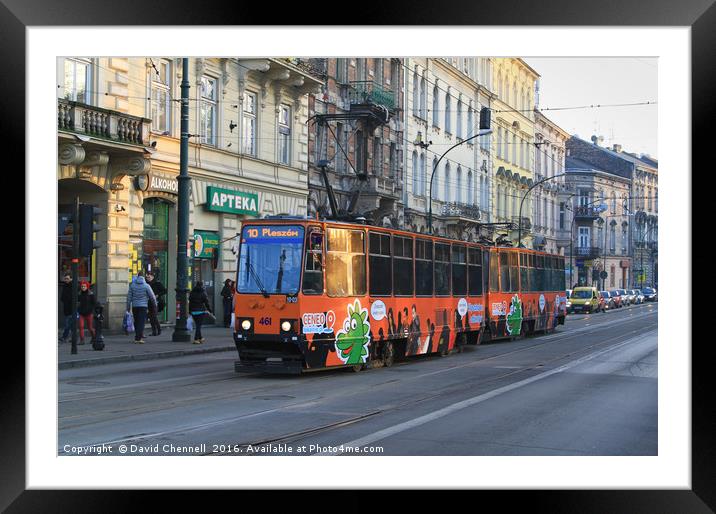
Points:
(231, 201)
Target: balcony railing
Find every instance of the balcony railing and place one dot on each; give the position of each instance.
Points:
(102, 123)
(383, 185)
(587, 252)
(587, 212)
(367, 92)
(461, 210)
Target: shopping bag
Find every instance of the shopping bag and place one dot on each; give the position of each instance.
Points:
(190, 323)
(128, 323)
(233, 318)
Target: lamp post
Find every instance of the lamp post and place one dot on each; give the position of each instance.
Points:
(484, 130)
(519, 219)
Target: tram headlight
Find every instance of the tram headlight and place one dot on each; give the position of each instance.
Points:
(246, 324)
(286, 326)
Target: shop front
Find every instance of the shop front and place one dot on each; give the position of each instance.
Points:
(204, 262)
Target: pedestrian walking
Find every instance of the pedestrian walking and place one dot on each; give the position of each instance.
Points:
(159, 291)
(66, 299)
(140, 298)
(85, 309)
(227, 293)
(199, 308)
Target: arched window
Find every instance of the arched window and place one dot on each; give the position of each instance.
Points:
(514, 201)
(423, 102)
(458, 186)
(499, 85)
(614, 203)
(446, 197)
(436, 106)
(514, 149)
(423, 176)
(470, 122)
(499, 142)
(415, 93)
(613, 237)
(514, 93)
(470, 187)
(506, 96)
(458, 122)
(416, 175)
(447, 112)
(506, 147)
(500, 201)
(432, 169)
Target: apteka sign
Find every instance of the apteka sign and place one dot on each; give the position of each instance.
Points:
(233, 202)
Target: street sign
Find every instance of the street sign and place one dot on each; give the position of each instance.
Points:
(603, 275)
(579, 263)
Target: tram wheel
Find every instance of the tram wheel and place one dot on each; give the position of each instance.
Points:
(388, 354)
(356, 368)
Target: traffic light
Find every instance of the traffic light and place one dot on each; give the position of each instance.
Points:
(485, 118)
(88, 227)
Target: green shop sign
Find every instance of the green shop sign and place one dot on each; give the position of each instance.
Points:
(234, 202)
(205, 244)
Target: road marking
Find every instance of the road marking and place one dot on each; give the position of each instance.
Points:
(445, 411)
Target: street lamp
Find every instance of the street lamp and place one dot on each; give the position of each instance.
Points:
(484, 130)
(519, 219)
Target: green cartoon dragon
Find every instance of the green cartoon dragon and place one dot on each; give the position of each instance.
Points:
(353, 338)
(514, 316)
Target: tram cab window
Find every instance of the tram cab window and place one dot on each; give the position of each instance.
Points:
(345, 262)
(442, 269)
(423, 267)
(381, 283)
(505, 272)
(403, 265)
(494, 271)
(474, 271)
(313, 267)
(524, 272)
(459, 270)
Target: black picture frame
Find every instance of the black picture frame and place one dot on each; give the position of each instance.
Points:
(17, 15)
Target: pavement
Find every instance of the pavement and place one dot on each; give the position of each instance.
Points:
(122, 348)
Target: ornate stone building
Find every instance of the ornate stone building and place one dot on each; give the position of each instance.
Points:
(118, 136)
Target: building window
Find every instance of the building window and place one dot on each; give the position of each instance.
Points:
(423, 174)
(423, 101)
(470, 187)
(377, 157)
(161, 96)
(341, 71)
(208, 111)
(284, 134)
(458, 189)
(416, 180)
(378, 72)
(458, 131)
(415, 93)
(612, 237)
(361, 157)
(77, 80)
(499, 142)
(248, 121)
(393, 161)
(436, 107)
(447, 182)
(470, 123)
(447, 112)
(514, 149)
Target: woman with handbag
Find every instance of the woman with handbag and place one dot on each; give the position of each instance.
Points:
(199, 308)
(156, 309)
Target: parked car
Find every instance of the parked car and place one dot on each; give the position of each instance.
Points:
(632, 296)
(617, 297)
(587, 299)
(569, 302)
(625, 296)
(639, 296)
(608, 300)
(649, 294)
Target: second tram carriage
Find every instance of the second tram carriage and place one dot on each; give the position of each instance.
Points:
(318, 294)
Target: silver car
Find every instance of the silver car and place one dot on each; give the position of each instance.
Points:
(639, 296)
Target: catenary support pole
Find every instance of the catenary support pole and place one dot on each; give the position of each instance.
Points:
(181, 334)
(75, 270)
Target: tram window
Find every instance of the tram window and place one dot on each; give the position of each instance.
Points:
(539, 273)
(403, 265)
(494, 272)
(474, 271)
(379, 262)
(423, 267)
(459, 270)
(514, 272)
(524, 273)
(313, 268)
(345, 263)
(442, 269)
(505, 272)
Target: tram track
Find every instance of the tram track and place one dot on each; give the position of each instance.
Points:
(115, 413)
(451, 389)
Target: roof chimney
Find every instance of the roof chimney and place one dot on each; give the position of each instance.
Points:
(595, 140)
(617, 148)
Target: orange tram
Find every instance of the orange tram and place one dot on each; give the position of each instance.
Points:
(319, 294)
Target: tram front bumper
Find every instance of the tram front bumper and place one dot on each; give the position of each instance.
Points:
(283, 367)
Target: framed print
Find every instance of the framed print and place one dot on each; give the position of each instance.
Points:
(272, 142)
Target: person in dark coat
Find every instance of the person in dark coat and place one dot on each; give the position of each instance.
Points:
(198, 308)
(227, 294)
(155, 310)
(85, 309)
(140, 298)
(66, 299)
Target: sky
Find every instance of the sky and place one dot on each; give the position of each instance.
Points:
(568, 81)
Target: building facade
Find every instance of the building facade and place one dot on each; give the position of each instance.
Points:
(451, 186)
(548, 199)
(513, 121)
(599, 224)
(118, 144)
(356, 130)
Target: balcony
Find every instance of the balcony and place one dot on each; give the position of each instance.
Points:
(586, 212)
(462, 211)
(366, 92)
(525, 222)
(587, 252)
(101, 123)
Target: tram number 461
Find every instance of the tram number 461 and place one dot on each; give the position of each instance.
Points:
(265, 321)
